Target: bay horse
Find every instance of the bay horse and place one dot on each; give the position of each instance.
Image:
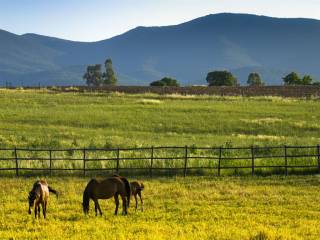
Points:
(136, 189)
(39, 195)
(105, 189)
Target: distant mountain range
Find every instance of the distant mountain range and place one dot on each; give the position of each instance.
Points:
(241, 43)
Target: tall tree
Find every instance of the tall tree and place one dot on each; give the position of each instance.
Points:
(93, 75)
(109, 76)
(254, 79)
(306, 80)
(221, 78)
(292, 78)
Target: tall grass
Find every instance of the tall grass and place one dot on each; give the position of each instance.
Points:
(33, 119)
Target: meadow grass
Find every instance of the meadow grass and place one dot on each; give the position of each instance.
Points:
(175, 208)
(43, 118)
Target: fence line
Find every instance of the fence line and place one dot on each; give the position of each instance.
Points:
(177, 158)
(284, 91)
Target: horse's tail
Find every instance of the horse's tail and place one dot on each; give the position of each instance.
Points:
(128, 189)
(86, 196)
(53, 191)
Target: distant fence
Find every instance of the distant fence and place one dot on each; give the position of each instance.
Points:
(282, 91)
(253, 160)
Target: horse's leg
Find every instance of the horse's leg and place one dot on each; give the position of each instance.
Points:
(139, 193)
(135, 198)
(43, 204)
(39, 210)
(116, 199)
(98, 206)
(124, 204)
(35, 210)
(99, 209)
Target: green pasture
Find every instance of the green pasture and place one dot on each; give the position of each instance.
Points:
(273, 207)
(43, 118)
(48, 119)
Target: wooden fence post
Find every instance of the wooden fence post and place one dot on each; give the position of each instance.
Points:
(16, 157)
(252, 159)
(84, 162)
(286, 160)
(318, 150)
(185, 161)
(50, 159)
(118, 159)
(219, 163)
(151, 162)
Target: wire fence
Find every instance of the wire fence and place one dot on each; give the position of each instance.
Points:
(161, 160)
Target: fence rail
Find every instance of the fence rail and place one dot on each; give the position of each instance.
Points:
(253, 159)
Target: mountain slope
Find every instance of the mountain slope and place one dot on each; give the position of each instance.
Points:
(238, 42)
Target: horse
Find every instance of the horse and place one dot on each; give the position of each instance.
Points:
(136, 189)
(39, 195)
(125, 180)
(105, 189)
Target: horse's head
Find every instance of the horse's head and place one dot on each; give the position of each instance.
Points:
(85, 208)
(31, 198)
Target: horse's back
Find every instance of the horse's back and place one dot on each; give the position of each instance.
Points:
(41, 189)
(106, 188)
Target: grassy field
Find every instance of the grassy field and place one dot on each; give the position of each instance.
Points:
(35, 119)
(176, 208)
(41, 118)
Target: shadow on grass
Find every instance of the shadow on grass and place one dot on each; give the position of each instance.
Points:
(162, 172)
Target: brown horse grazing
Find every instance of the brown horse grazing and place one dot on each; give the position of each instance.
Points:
(105, 189)
(39, 195)
(126, 182)
(136, 189)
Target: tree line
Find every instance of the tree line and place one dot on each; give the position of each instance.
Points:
(225, 78)
(95, 77)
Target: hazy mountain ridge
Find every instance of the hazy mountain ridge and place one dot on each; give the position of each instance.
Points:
(238, 42)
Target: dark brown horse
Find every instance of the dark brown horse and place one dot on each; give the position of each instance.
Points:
(136, 189)
(105, 189)
(39, 195)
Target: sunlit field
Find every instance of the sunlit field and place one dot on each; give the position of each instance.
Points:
(41, 118)
(175, 208)
(272, 207)
(55, 120)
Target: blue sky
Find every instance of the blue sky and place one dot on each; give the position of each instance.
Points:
(92, 20)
